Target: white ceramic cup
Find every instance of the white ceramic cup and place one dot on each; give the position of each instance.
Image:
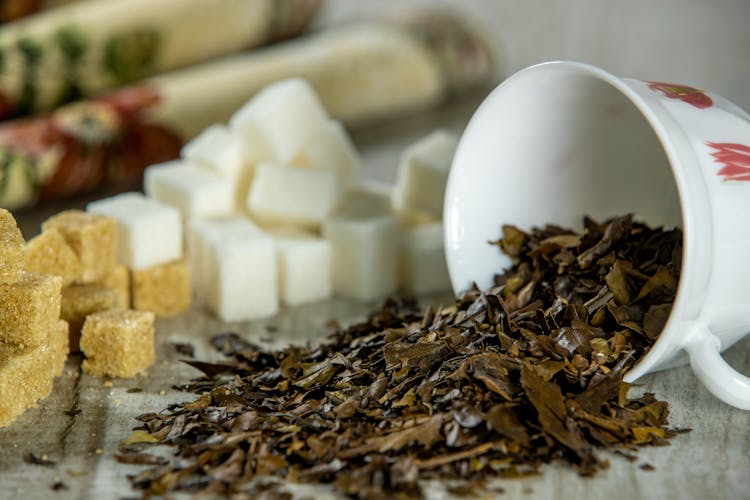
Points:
(561, 140)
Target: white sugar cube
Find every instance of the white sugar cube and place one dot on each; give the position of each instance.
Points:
(422, 266)
(330, 148)
(255, 144)
(218, 149)
(192, 189)
(289, 112)
(423, 173)
(304, 262)
(194, 249)
(364, 239)
(245, 286)
(239, 271)
(410, 218)
(364, 243)
(201, 234)
(282, 194)
(370, 197)
(366, 199)
(149, 232)
(232, 154)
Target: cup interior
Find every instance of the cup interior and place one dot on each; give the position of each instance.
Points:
(551, 144)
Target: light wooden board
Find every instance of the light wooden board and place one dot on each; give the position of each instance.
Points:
(712, 461)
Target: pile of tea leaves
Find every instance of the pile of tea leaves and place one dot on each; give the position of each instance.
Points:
(493, 386)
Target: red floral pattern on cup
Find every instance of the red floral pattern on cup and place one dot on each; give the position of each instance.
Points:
(691, 95)
(735, 159)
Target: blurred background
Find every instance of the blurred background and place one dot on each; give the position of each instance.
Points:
(693, 42)
(698, 43)
(153, 73)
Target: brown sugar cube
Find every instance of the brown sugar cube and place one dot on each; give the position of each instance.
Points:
(93, 238)
(29, 308)
(78, 301)
(163, 289)
(11, 248)
(59, 344)
(27, 374)
(119, 281)
(23, 380)
(49, 253)
(118, 342)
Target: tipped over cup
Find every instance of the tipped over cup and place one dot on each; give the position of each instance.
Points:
(561, 140)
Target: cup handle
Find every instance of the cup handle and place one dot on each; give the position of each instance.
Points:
(726, 383)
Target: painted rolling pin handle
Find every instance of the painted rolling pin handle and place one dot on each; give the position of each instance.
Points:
(726, 383)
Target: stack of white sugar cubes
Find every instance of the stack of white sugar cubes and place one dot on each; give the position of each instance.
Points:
(272, 212)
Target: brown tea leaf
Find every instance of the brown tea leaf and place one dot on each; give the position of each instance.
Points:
(655, 319)
(425, 434)
(619, 284)
(31, 458)
(140, 459)
(615, 231)
(493, 385)
(506, 423)
(140, 436)
(512, 240)
(663, 281)
(489, 369)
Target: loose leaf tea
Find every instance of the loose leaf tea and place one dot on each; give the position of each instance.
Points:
(494, 385)
(31, 458)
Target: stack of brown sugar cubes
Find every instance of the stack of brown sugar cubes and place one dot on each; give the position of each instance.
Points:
(33, 338)
(81, 248)
(86, 245)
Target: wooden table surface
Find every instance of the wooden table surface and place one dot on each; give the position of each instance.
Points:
(712, 461)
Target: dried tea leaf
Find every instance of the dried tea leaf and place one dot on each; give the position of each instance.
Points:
(489, 369)
(606, 388)
(655, 319)
(600, 346)
(268, 464)
(316, 374)
(619, 284)
(506, 423)
(31, 458)
(229, 343)
(647, 434)
(662, 282)
(512, 240)
(467, 416)
(454, 457)
(615, 231)
(184, 348)
(140, 459)
(210, 369)
(140, 436)
(203, 402)
(425, 434)
(561, 241)
(491, 386)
